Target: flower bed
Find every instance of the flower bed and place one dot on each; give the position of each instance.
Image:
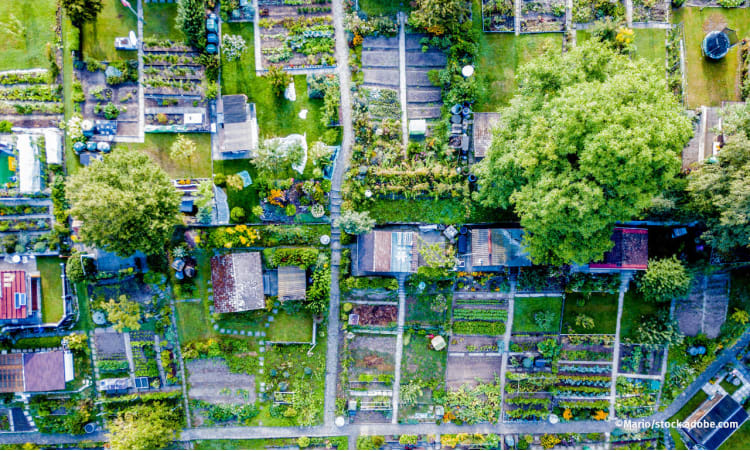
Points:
(636, 397)
(39, 77)
(498, 15)
(585, 11)
(296, 36)
(7, 210)
(651, 11)
(17, 225)
(542, 15)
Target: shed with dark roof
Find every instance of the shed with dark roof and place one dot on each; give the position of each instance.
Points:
(292, 283)
(237, 280)
(723, 411)
(492, 249)
(44, 371)
(384, 251)
(630, 251)
(240, 130)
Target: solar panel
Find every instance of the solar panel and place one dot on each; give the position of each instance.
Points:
(141, 382)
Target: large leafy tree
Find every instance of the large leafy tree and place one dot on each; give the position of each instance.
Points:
(191, 20)
(720, 188)
(440, 16)
(590, 139)
(81, 11)
(145, 426)
(126, 202)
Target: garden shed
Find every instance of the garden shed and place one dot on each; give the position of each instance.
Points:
(630, 251)
(237, 279)
(385, 251)
(29, 170)
(240, 125)
(292, 283)
(718, 410)
(35, 371)
(492, 249)
(19, 297)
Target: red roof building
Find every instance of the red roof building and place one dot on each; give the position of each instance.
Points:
(14, 297)
(237, 280)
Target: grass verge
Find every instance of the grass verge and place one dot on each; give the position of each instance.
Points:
(52, 303)
(525, 308)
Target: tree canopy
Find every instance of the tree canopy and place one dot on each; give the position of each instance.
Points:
(440, 16)
(591, 138)
(123, 313)
(144, 426)
(81, 11)
(720, 189)
(126, 203)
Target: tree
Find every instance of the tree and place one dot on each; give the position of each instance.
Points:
(123, 313)
(182, 149)
(278, 78)
(664, 280)
(355, 222)
(204, 201)
(276, 156)
(658, 331)
(409, 393)
(191, 20)
(77, 341)
(145, 426)
(544, 319)
(440, 16)
(81, 11)
(126, 203)
(578, 150)
(720, 189)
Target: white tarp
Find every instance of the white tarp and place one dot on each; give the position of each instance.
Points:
(53, 144)
(28, 165)
(69, 368)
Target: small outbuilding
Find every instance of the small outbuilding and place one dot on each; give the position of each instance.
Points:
(237, 280)
(292, 283)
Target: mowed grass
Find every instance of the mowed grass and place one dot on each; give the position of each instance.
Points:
(634, 309)
(650, 45)
(160, 21)
(290, 328)
(525, 308)
(52, 304)
(193, 322)
(157, 146)
(248, 197)
(500, 56)
(601, 307)
(276, 115)
(24, 47)
(113, 21)
(383, 7)
(708, 82)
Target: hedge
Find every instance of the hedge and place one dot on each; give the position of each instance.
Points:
(478, 328)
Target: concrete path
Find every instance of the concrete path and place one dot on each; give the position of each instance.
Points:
(178, 356)
(506, 340)
(399, 345)
(141, 100)
(624, 284)
(256, 40)
(342, 165)
(129, 356)
(402, 78)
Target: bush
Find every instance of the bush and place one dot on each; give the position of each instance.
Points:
(290, 210)
(237, 214)
(5, 126)
(111, 111)
(664, 280)
(220, 179)
(303, 442)
(478, 328)
(297, 256)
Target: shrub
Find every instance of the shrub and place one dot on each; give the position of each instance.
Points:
(257, 211)
(5, 126)
(664, 280)
(111, 111)
(303, 442)
(278, 78)
(220, 179)
(237, 214)
(297, 256)
(212, 90)
(162, 118)
(290, 210)
(232, 47)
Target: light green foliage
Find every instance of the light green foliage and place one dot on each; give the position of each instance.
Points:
(658, 331)
(720, 191)
(440, 16)
(665, 279)
(354, 222)
(144, 426)
(585, 321)
(409, 393)
(123, 313)
(580, 149)
(182, 148)
(278, 78)
(126, 202)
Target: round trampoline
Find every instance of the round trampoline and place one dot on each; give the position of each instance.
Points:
(716, 45)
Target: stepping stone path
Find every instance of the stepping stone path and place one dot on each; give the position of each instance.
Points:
(423, 99)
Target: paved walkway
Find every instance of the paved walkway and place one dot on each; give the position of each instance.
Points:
(402, 78)
(506, 341)
(624, 284)
(399, 345)
(141, 100)
(342, 165)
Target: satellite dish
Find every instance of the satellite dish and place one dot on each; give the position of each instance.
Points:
(133, 38)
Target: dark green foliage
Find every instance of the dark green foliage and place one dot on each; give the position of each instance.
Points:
(191, 20)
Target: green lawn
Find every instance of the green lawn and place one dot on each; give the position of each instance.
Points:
(383, 7)
(84, 313)
(24, 47)
(649, 44)
(421, 362)
(711, 82)
(157, 146)
(99, 37)
(193, 322)
(441, 211)
(52, 304)
(248, 197)
(276, 115)
(160, 21)
(634, 308)
(740, 439)
(525, 308)
(288, 328)
(500, 56)
(602, 307)
(739, 294)
(728, 386)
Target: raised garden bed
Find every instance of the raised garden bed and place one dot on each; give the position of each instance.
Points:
(585, 11)
(498, 15)
(542, 16)
(376, 315)
(296, 35)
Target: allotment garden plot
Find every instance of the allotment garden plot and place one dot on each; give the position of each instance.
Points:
(370, 370)
(296, 35)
